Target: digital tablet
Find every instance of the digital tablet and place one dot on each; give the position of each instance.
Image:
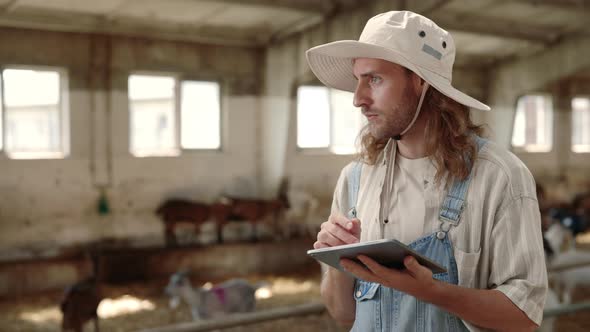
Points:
(388, 253)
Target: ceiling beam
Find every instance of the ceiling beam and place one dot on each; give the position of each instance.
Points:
(469, 61)
(496, 27)
(10, 6)
(527, 74)
(338, 6)
(298, 26)
(310, 6)
(424, 7)
(565, 4)
(133, 28)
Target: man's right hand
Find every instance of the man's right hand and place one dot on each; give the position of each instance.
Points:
(338, 230)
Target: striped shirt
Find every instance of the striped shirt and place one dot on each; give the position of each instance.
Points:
(498, 242)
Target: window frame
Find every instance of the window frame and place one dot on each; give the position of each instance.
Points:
(184, 78)
(523, 149)
(316, 150)
(581, 96)
(63, 113)
(311, 150)
(178, 80)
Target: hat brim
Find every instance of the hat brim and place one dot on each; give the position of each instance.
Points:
(332, 64)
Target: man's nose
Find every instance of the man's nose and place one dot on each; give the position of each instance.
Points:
(361, 97)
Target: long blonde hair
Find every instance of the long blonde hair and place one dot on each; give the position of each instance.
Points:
(449, 142)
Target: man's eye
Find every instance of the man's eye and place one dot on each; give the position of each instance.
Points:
(375, 79)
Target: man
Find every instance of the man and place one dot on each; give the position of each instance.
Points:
(426, 178)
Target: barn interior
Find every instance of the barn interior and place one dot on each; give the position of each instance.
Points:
(125, 123)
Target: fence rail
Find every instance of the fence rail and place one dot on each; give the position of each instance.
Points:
(304, 310)
(569, 266)
(566, 309)
(243, 319)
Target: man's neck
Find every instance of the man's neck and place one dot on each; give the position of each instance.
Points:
(413, 143)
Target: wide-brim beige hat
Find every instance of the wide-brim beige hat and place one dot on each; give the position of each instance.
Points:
(402, 37)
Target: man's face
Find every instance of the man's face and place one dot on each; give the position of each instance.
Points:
(386, 96)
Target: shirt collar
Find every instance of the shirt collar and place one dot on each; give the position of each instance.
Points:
(388, 155)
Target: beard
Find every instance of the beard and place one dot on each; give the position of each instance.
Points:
(394, 120)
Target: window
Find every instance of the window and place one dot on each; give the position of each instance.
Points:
(581, 125)
(152, 115)
(34, 113)
(326, 119)
(533, 124)
(161, 105)
(200, 115)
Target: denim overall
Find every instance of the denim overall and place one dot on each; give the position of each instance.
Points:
(379, 308)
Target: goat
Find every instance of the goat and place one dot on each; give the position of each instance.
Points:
(255, 210)
(559, 238)
(79, 305)
(81, 300)
(232, 296)
(175, 211)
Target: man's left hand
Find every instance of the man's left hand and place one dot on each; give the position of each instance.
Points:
(415, 279)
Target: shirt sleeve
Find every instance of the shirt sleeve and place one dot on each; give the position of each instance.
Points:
(340, 199)
(517, 258)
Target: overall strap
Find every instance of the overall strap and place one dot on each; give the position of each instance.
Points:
(454, 203)
(354, 181)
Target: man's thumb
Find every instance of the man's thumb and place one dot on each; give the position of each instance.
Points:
(414, 267)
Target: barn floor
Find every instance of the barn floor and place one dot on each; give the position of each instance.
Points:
(136, 306)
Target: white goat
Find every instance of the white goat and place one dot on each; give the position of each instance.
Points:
(559, 238)
(233, 296)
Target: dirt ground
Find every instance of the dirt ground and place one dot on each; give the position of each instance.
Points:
(579, 321)
(146, 306)
(40, 312)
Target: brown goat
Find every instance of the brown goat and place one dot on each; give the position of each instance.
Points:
(79, 305)
(175, 211)
(80, 301)
(255, 210)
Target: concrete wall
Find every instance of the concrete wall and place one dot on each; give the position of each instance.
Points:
(53, 203)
